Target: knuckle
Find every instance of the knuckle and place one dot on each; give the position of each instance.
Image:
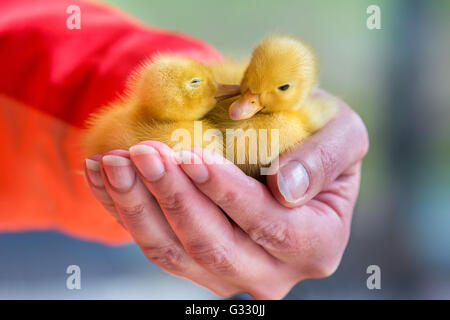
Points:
(328, 159)
(274, 236)
(131, 212)
(216, 257)
(169, 257)
(228, 197)
(109, 206)
(365, 142)
(361, 130)
(174, 202)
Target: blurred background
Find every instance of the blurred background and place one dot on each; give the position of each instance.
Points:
(396, 78)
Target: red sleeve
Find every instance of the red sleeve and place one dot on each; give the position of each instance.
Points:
(51, 78)
(68, 73)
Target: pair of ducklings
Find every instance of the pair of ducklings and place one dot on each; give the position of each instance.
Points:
(270, 92)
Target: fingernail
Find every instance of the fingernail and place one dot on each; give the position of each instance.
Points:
(119, 172)
(148, 161)
(293, 181)
(93, 172)
(192, 165)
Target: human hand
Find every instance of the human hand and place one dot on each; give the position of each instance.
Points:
(271, 242)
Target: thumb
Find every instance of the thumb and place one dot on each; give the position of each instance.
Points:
(319, 160)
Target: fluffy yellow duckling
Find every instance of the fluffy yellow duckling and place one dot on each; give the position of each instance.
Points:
(165, 94)
(275, 95)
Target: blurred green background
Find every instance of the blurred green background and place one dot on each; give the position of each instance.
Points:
(396, 78)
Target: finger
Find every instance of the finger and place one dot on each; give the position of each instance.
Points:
(340, 196)
(244, 199)
(97, 186)
(205, 232)
(322, 227)
(315, 163)
(179, 200)
(293, 236)
(141, 214)
(144, 220)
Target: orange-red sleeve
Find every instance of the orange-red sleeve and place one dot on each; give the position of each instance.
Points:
(51, 78)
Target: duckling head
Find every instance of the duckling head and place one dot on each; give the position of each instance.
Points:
(175, 88)
(281, 73)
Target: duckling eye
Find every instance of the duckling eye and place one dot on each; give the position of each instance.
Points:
(195, 81)
(283, 87)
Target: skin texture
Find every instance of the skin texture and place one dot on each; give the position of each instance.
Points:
(268, 245)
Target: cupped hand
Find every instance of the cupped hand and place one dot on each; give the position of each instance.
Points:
(203, 219)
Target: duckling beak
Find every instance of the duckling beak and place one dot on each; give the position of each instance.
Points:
(245, 107)
(225, 91)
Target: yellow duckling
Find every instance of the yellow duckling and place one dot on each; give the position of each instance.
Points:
(275, 95)
(165, 94)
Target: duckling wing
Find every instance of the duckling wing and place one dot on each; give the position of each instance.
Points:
(107, 130)
(316, 112)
